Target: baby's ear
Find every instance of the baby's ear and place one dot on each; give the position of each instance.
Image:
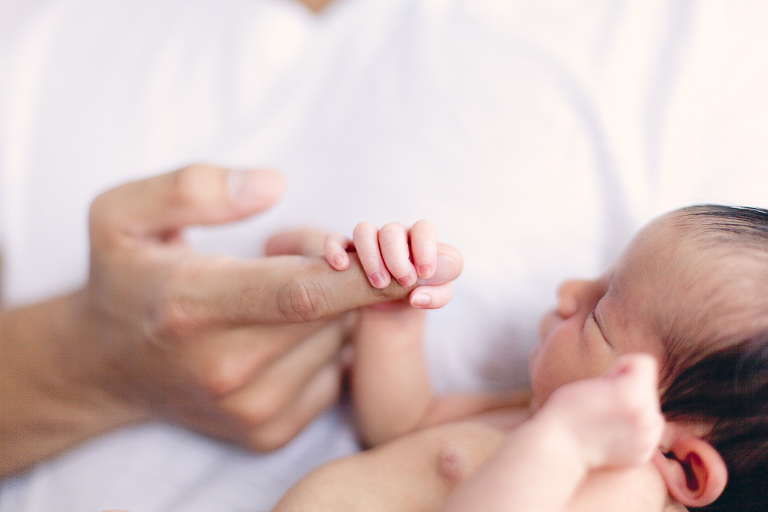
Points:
(693, 470)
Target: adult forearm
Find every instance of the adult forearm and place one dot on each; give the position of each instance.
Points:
(48, 403)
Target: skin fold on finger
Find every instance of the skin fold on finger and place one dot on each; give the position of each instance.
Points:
(393, 242)
(365, 237)
(303, 242)
(273, 390)
(336, 246)
(423, 237)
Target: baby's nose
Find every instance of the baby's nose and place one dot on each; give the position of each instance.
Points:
(568, 297)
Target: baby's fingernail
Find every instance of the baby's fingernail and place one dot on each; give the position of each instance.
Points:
(421, 300)
(376, 280)
(425, 271)
(405, 281)
(338, 260)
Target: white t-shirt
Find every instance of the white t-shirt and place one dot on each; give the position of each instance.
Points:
(537, 136)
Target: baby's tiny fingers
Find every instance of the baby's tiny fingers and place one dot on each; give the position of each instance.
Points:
(366, 240)
(335, 250)
(431, 297)
(423, 237)
(449, 266)
(393, 240)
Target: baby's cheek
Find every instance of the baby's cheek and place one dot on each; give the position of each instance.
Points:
(547, 324)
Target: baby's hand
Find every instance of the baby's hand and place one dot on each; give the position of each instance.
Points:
(408, 255)
(615, 420)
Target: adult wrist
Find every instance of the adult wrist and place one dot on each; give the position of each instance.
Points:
(49, 399)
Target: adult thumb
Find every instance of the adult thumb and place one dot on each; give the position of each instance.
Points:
(194, 195)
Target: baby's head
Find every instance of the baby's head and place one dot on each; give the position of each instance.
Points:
(692, 290)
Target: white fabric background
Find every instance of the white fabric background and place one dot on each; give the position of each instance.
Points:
(537, 135)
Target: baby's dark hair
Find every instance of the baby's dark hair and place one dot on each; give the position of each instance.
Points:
(728, 387)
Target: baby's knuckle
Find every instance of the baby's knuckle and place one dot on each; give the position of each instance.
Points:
(365, 228)
(392, 228)
(369, 260)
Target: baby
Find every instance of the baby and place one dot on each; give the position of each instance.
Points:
(690, 293)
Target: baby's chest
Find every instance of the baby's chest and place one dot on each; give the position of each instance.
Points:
(418, 471)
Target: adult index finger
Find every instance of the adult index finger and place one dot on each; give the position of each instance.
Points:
(285, 289)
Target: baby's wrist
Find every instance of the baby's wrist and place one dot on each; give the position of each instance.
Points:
(559, 436)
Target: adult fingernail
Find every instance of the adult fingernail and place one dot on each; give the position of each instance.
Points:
(376, 280)
(256, 187)
(421, 300)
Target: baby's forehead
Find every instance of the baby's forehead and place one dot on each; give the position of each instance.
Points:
(674, 248)
(679, 277)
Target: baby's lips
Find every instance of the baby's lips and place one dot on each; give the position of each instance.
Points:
(448, 269)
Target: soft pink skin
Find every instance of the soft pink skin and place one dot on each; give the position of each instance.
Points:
(410, 256)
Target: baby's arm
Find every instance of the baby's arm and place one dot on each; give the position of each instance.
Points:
(390, 381)
(586, 425)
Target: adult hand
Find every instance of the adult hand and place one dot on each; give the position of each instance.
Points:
(244, 350)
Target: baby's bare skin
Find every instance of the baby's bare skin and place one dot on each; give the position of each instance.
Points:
(411, 473)
(417, 472)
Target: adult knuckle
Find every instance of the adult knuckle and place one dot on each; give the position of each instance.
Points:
(175, 318)
(98, 206)
(190, 185)
(265, 405)
(101, 219)
(221, 377)
(302, 299)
